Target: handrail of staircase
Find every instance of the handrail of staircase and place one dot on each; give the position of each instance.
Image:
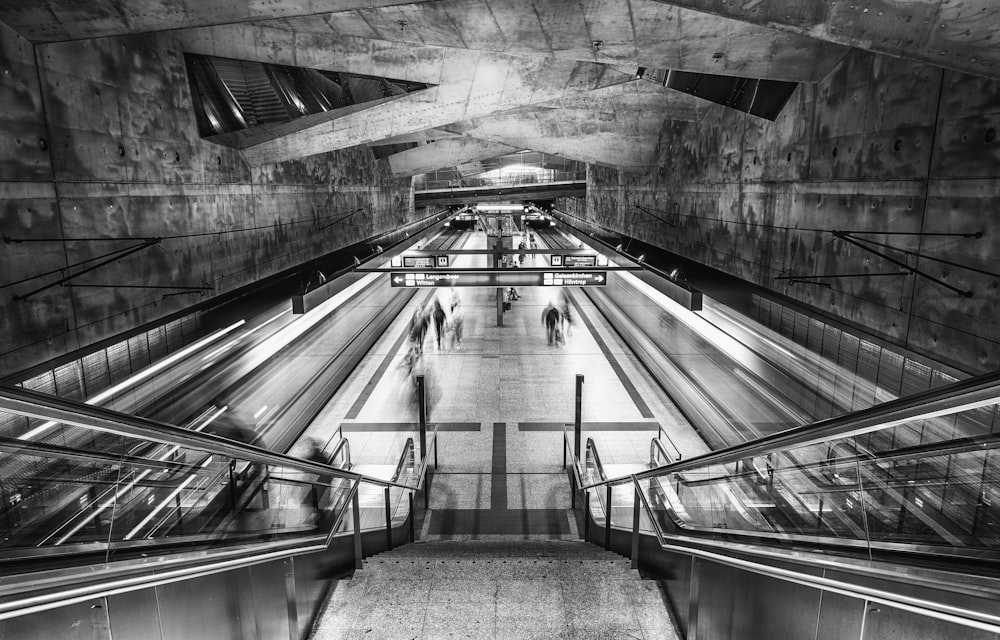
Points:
(344, 445)
(655, 446)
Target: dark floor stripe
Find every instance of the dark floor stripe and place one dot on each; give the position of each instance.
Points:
(640, 404)
(498, 479)
(589, 426)
(373, 382)
(508, 522)
(409, 426)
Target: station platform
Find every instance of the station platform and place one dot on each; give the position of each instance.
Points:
(501, 399)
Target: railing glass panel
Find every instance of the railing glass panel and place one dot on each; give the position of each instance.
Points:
(72, 489)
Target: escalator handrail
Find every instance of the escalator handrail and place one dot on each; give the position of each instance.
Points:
(38, 405)
(920, 606)
(47, 450)
(959, 396)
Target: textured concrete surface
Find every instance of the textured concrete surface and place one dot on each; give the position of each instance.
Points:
(99, 142)
(892, 128)
(881, 146)
(445, 153)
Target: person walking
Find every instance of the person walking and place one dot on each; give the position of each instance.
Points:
(567, 315)
(550, 318)
(437, 311)
(418, 329)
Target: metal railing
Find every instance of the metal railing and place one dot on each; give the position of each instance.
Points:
(823, 487)
(170, 492)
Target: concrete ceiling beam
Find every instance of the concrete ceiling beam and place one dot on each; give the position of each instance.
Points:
(272, 45)
(445, 153)
(634, 33)
(420, 137)
(61, 20)
(953, 35)
(615, 126)
(487, 83)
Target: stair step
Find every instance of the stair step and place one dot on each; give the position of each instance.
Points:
(496, 589)
(502, 548)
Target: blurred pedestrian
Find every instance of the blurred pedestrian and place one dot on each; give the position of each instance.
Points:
(457, 319)
(550, 318)
(418, 330)
(439, 315)
(317, 492)
(567, 315)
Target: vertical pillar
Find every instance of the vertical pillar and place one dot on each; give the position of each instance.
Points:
(607, 519)
(388, 519)
(636, 507)
(356, 512)
(498, 264)
(577, 423)
(422, 415)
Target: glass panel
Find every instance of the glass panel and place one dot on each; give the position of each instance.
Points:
(923, 482)
(67, 489)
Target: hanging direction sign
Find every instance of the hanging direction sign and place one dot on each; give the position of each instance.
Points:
(497, 278)
(418, 262)
(579, 262)
(579, 279)
(573, 261)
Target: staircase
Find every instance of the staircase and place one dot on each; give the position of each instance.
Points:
(484, 589)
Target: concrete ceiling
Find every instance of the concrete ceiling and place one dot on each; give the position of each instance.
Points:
(555, 76)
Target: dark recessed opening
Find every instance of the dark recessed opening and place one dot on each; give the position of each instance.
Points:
(991, 134)
(897, 145)
(835, 150)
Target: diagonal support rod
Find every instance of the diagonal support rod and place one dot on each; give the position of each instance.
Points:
(846, 237)
(127, 252)
(654, 216)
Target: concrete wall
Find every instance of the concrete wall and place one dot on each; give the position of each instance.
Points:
(98, 140)
(880, 145)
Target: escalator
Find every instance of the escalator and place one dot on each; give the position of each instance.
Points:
(914, 528)
(193, 505)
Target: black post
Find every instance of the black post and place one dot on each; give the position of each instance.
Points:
(607, 522)
(422, 415)
(635, 527)
(413, 517)
(356, 512)
(388, 521)
(577, 424)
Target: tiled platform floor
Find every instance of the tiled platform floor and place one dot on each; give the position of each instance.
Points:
(509, 392)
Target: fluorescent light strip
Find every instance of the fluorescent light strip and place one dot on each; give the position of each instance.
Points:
(139, 377)
(248, 333)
